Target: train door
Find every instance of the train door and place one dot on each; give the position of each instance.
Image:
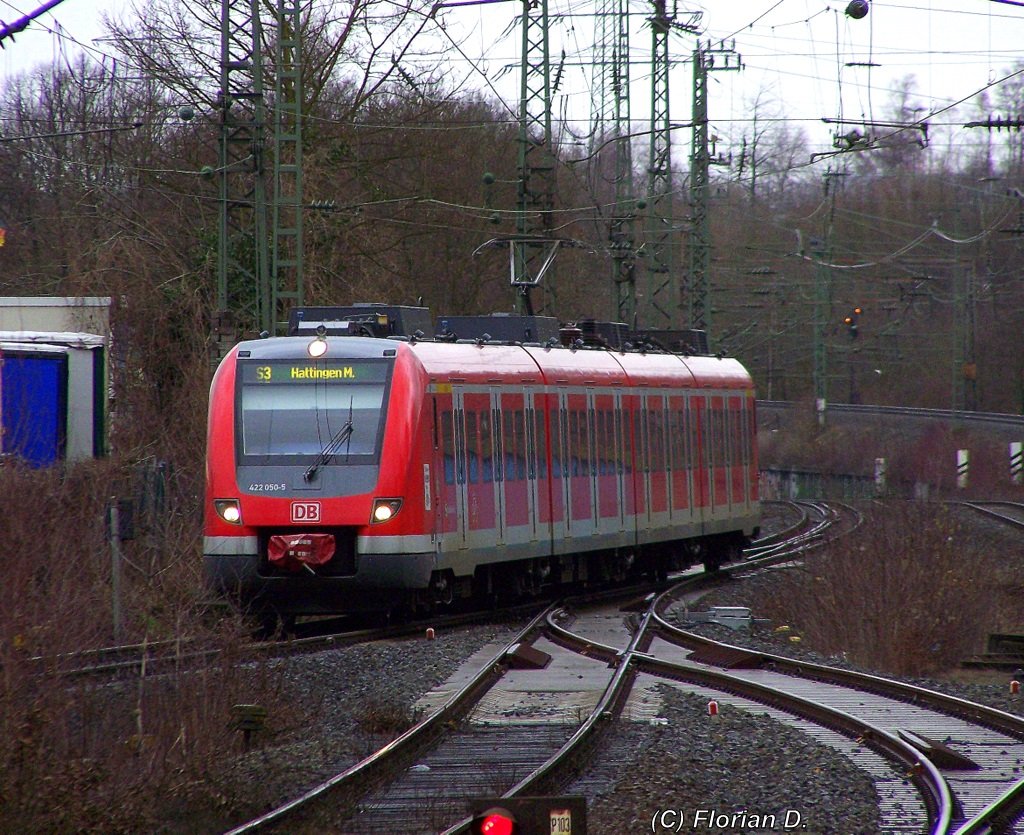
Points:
(641, 472)
(658, 471)
(608, 517)
(581, 442)
(593, 458)
(734, 415)
(632, 477)
(458, 458)
(496, 457)
(557, 429)
(518, 466)
(480, 503)
(699, 451)
(620, 460)
(535, 460)
(719, 453)
(680, 506)
(436, 485)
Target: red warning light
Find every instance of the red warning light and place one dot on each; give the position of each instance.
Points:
(496, 822)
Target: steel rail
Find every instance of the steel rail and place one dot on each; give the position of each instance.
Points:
(999, 815)
(607, 705)
(929, 781)
(924, 774)
(610, 701)
(370, 767)
(1010, 803)
(987, 509)
(978, 714)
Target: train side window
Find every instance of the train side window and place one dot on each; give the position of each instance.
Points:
(573, 443)
(460, 447)
(556, 443)
(677, 426)
(531, 444)
(745, 434)
(726, 434)
(719, 436)
(736, 423)
(520, 445)
(473, 459)
(498, 443)
(620, 447)
(700, 433)
(590, 418)
(655, 434)
(509, 450)
(486, 447)
(584, 419)
(688, 452)
(714, 423)
(448, 447)
(541, 448)
(639, 445)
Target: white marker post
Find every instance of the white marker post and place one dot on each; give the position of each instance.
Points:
(881, 466)
(1016, 462)
(963, 463)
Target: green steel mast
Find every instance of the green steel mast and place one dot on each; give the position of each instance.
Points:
(243, 276)
(661, 303)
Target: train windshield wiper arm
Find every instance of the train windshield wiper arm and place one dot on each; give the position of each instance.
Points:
(329, 451)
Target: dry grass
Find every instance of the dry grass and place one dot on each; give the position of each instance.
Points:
(135, 756)
(911, 593)
(916, 457)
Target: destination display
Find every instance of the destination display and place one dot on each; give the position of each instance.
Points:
(321, 371)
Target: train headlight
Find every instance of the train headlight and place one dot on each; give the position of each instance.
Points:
(384, 509)
(229, 510)
(318, 347)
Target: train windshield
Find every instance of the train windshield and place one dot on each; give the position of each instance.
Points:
(291, 411)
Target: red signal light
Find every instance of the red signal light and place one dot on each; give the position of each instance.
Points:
(495, 822)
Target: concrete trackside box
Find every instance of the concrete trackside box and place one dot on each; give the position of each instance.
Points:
(53, 378)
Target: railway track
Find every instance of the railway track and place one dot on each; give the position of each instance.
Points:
(965, 757)
(499, 712)
(158, 657)
(1011, 513)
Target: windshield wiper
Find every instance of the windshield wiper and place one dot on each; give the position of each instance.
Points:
(329, 451)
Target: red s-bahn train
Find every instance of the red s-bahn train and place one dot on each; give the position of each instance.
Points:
(356, 473)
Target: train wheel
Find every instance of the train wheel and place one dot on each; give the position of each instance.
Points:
(442, 587)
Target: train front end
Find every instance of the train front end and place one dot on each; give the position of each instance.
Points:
(308, 451)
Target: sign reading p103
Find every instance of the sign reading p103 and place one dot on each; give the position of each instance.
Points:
(306, 371)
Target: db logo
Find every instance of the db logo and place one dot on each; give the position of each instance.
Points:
(306, 512)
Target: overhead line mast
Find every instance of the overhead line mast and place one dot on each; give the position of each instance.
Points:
(243, 273)
(610, 115)
(699, 289)
(661, 304)
(534, 247)
(259, 266)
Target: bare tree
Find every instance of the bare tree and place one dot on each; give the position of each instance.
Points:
(361, 43)
(767, 152)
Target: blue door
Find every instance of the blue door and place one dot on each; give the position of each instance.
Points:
(33, 388)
